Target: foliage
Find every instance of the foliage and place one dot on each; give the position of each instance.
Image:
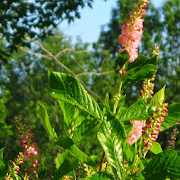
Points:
(35, 19)
(125, 134)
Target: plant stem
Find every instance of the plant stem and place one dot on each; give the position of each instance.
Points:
(102, 161)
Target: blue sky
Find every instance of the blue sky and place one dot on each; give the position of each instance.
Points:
(89, 25)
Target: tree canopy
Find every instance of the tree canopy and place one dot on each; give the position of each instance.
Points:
(34, 18)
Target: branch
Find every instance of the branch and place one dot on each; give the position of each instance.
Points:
(98, 74)
(63, 66)
(30, 52)
(68, 49)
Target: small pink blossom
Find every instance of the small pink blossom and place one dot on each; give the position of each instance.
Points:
(136, 131)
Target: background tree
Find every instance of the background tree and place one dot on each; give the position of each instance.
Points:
(25, 74)
(35, 18)
(25, 77)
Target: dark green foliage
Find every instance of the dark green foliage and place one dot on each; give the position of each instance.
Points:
(4, 165)
(100, 176)
(66, 163)
(163, 165)
(67, 143)
(20, 18)
(173, 116)
(26, 82)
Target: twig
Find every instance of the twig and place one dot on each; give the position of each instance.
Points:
(30, 52)
(62, 65)
(98, 74)
(68, 49)
(102, 161)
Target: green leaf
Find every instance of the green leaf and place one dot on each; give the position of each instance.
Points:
(174, 110)
(4, 166)
(85, 129)
(72, 116)
(136, 177)
(122, 58)
(129, 151)
(142, 61)
(16, 177)
(80, 124)
(67, 88)
(43, 115)
(138, 74)
(1, 153)
(173, 116)
(100, 176)
(128, 127)
(137, 111)
(67, 143)
(158, 97)
(121, 103)
(163, 165)
(168, 123)
(111, 136)
(156, 148)
(65, 164)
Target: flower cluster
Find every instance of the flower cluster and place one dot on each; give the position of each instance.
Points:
(146, 94)
(136, 131)
(14, 168)
(27, 141)
(130, 36)
(155, 50)
(66, 177)
(147, 89)
(153, 125)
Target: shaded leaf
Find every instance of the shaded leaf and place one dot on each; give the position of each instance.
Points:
(141, 61)
(138, 74)
(65, 164)
(174, 110)
(122, 58)
(173, 116)
(67, 143)
(72, 116)
(4, 166)
(100, 176)
(163, 165)
(168, 122)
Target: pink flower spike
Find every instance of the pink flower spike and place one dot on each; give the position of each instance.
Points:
(131, 33)
(136, 131)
